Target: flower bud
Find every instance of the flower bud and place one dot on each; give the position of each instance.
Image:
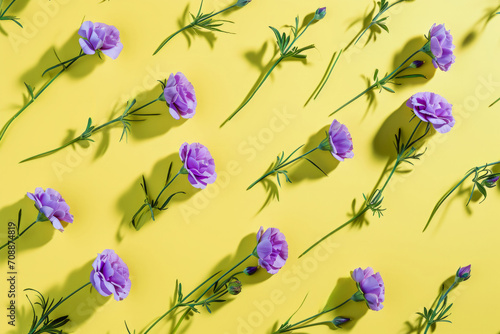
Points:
(463, 274)
(242, 3)
(250, 270)
(417, 64)
(234, 287)
(491, 181)
(320, 13)
(340, 320)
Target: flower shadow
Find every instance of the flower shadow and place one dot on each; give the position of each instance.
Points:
(365, 20)
(70, 49)
(417, 326)
(80, 307)
(344, 289)
(479, 26)
(401, 118)
(427, 69)
(38, 235)
(133, 198)
(303, 169)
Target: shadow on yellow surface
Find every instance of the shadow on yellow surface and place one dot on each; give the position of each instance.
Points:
(133, 198)
(478, 27)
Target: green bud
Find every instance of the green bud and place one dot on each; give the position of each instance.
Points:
(234, 287)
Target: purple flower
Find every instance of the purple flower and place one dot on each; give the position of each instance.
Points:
(52, 206)
(198, 164)
(463, 274)
(337, 321)
(250, 270)
(441, 47)
(320, 13)
(491, 181)
(100, 36)
(272, 249)
(433, 108)
(110, 275)
(371, 288)
(339, 142)
(180, 96)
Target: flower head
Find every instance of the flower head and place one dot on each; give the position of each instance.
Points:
(180, 96)
(52, 206)
(198, 164)
(110, 275)
(250, 270)
(338, 142)
(371, 288)
(272, 249)
(433, 108)
(463, 274)
(441, 47)
(491, 181)
(234, 287)
(320, 13)
(99, 36)
(337, 321)
(242, 3)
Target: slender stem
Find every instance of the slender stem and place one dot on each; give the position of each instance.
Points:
(280, 167)
(254, 92)
(227, 272)
(329, 73)
(295, 39)
(9, 122)
(42, 319)
(294, 326)
(192, 24)
(434, 312)
(7, 8)
(87, 134)
(353, 99)
(166, 186)
(336, 230)
(20, 234)
(390, 75)
(180, 321)
(121, 117)
(162, 316)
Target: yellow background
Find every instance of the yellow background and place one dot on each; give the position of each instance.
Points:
(209, 230)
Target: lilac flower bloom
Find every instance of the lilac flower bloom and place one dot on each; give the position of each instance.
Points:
(272, 249)
(320, 13)
(433, 108)
(100, 36)
(110, 275)
(491, 181)
(180, 96)
(198, 164)
(52, 206)
(371, 286)
(340, 141)
(441, 46)
(463, 274)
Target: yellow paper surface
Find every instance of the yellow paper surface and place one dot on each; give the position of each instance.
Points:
(209, 230)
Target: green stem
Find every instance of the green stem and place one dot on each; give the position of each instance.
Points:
(329, 73)
(254, 92)
(295, 39)
(280, 167)
(192, 24)
(180, 321)
(445, 196)
(20, 234)
(227, 272)
(162, 316)
(294, 326)
(87, 135)
(434, 312)
(9, 122)
(166, 186)
(359, 214)
(7, 8)
(42, 319)
(382, 82)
